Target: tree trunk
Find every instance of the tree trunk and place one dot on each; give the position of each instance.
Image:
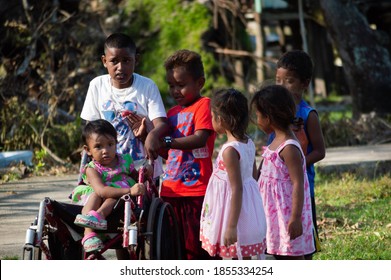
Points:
(366, 61)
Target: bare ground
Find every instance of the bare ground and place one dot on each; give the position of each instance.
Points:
(19, 204)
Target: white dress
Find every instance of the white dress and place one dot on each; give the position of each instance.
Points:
(251, 228)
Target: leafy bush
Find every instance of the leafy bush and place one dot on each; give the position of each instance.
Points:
(174, 26)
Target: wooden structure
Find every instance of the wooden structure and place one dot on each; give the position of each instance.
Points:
(282, 31)
(282, 27)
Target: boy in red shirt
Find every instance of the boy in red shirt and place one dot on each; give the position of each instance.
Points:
(190, 146)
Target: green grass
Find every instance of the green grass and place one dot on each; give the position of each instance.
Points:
(354, 218)
(9, 258)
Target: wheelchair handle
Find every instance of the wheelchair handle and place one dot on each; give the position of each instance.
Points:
(141, 181)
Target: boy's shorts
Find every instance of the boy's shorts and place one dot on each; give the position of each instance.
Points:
(188, 213)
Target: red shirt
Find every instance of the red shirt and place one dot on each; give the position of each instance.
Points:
(188, 171)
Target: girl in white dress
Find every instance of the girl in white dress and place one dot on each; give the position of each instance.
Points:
(232, 219)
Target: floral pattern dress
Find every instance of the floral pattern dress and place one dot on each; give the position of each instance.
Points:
(118, 177)
(276, 190)
(251, 228)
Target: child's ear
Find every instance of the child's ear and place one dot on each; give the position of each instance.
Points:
(85, 147)
(220, 120)
(201, 82)
(103, 58)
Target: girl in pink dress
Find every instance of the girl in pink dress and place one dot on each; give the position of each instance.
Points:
(232, 218)
(108, 175)
(283, 179)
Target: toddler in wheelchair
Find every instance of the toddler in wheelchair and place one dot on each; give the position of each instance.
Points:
(107, 177)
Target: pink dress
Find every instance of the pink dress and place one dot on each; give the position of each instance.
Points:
(276, 191)
(251, 228)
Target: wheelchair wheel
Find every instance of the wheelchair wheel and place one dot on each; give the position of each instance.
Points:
(168, 239)
(163, 241)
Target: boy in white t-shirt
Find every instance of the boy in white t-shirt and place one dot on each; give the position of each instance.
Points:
(130, 102)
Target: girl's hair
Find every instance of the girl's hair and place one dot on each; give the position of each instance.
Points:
(190, 60)
(232, 107)
(120, 41)
(275, 102)
(100, 127)
(297, 61)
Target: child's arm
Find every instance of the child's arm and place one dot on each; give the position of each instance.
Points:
(152, 142)
(232, 165)
(255, 171)
(315, 136)
(163, 152)
(103, 191)
(195, 141)
(293, 160)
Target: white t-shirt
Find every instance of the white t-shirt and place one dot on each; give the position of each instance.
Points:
(103, 101)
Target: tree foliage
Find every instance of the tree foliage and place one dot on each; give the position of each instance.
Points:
(164, 27)
(51, 50)
(44, 72)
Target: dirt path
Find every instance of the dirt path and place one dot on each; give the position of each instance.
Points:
(19, 204)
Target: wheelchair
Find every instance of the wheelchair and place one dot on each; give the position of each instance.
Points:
(145, 226)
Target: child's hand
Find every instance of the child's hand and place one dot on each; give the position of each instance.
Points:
(230, 236)
(137, 123)
(137, 189)
(148, 172)
(295, 228)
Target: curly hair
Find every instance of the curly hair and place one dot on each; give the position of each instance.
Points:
(190, 60)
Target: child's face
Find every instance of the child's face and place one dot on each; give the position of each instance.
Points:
(102, 148)
(120, 64)
(183, 87)
(217, 124)
(292, 82)
(263, 123)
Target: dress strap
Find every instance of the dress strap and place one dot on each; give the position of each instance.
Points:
(233, 144)
(290, 142)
